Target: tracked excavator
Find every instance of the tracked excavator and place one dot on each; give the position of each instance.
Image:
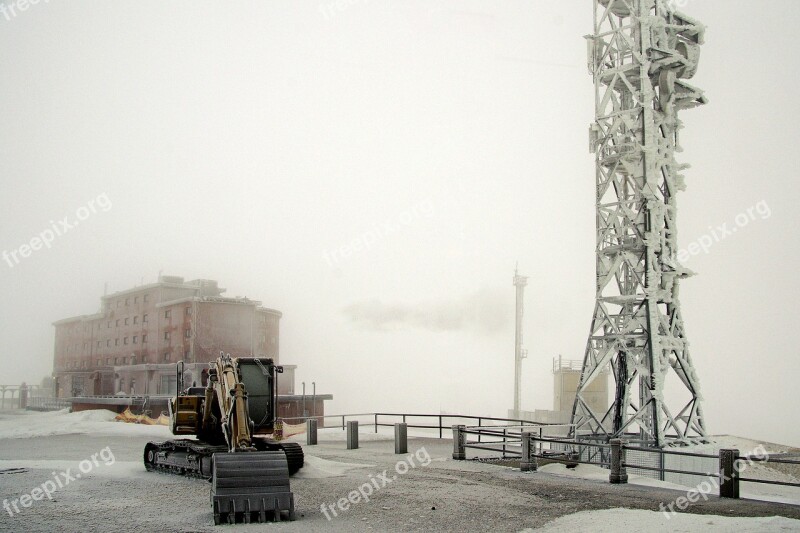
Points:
(233, 418)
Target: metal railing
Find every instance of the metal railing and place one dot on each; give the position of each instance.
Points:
(616, 455)
(48, 404)
(767, 459)
(443, 422)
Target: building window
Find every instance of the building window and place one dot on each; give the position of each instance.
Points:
(188, 311)
(108, 361)
(117, 324)
(186, 355)
(169, 384)
(118, 303)
(144, 318)
(116, 342)
(98, 344)
(167, 313)
(109, 324)
(121, 384)
(133, 360)
(144, 359)
(136, 299)
(127, 302)
(188, 334)
(125, 340)
(99, 362)
(136, 319)
(126, 321)
(135, 339)
(108, 343)
(144, 339)
(166, 357)
(145, 297)
(124, 360)
(166, 335)
(116, 360)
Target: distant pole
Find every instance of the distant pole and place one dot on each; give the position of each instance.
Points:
(519, 354)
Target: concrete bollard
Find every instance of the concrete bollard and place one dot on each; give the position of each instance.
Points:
(728, 473)
(459, 442)
(527, 462)
(352, 435)
(619, 474)
(23, 396)
(401, 438)
(311, 431)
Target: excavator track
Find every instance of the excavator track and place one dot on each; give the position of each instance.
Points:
(293, 451)
(182, 457)
(246, 486)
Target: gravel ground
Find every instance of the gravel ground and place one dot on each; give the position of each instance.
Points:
(445, 495)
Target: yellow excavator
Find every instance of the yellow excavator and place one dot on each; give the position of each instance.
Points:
(233, 418)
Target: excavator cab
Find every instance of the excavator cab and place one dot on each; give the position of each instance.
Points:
(186, 408)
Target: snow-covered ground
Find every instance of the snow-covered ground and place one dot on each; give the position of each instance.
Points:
(654, 522)
(445, 495)
(31, 424)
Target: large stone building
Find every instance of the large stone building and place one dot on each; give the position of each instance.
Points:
(130, 348)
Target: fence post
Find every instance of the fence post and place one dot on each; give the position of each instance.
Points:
(400, 438)
(376, 422)
(527, 462)
(480, 424)
(459, 443)
(619, 473)
(311, 431)
(728, 473)
(342, 422)
(505, 434)
(440, 426)
(352, 434)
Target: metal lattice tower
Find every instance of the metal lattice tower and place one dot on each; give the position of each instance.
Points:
(639, 55)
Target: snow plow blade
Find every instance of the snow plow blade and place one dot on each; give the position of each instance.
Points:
(251, 487)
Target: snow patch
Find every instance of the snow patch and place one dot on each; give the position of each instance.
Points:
(92, 422)
(318, 468)
(654, 522)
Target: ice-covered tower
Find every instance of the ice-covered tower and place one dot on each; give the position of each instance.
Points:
(640, 54)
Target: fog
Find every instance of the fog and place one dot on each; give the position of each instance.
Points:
(375, 170)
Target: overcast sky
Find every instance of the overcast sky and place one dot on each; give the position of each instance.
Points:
(375, 171)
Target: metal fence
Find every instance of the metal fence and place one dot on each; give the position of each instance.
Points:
(533, 447)
(438, 425)
(48, 404)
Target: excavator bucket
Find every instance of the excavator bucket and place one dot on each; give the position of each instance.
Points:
(251, 487)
